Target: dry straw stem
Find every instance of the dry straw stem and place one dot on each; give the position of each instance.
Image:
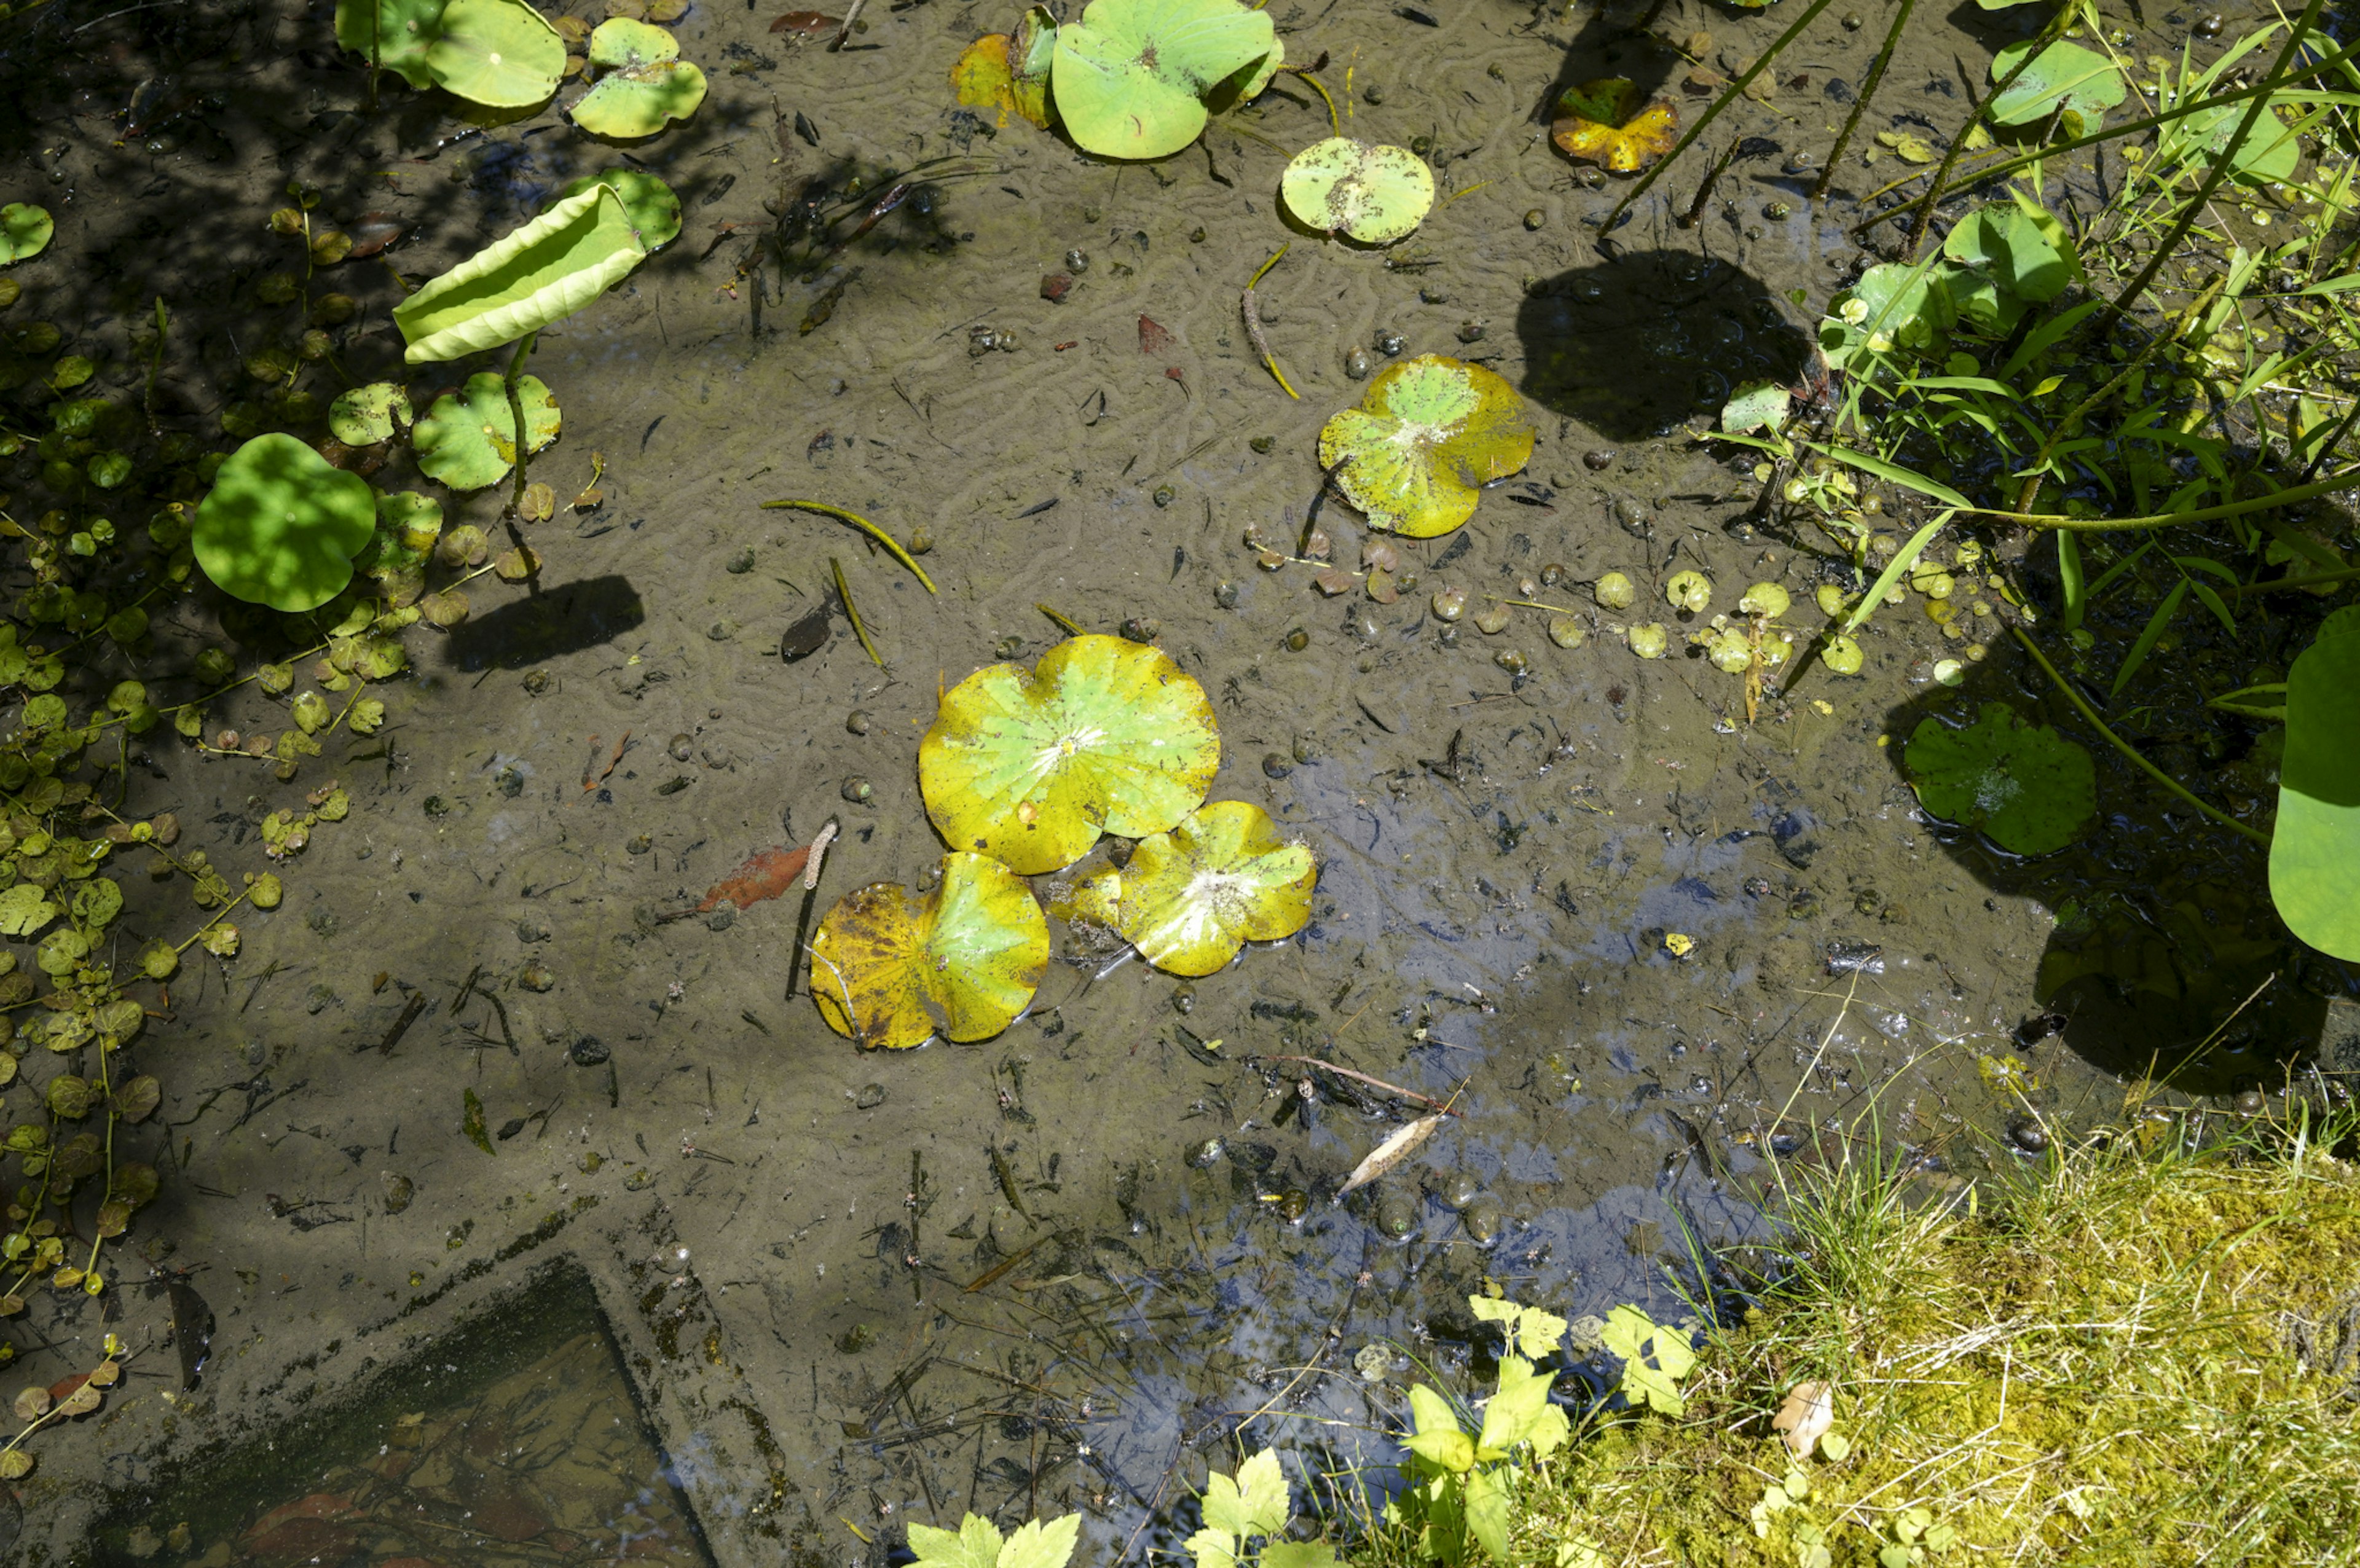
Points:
(2127, 1354)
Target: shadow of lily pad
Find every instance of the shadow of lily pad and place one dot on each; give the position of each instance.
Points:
(2026, 787)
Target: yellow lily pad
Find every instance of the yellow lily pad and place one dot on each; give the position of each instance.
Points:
(1373, 195)
(1105, 735)
(1008, 73)
(1428, 435)
(1191, 898)
(892, 969)
(1613, 124)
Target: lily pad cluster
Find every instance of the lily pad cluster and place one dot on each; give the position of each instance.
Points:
(1022, 772)
(1998, 263)
(2026, 786)
(1428, 435)
(502, 54)
(643, 83)
(1129, 79)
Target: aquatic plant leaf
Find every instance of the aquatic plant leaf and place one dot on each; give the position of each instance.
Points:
(2316, 843)
(1031, 55)
(1132, 76)
(653, 207)
(502, 54)
(1428, 434)
(1756, 406)
(2064, 75)
(467, 440)
(1655, 1358)
(1373, 195)
(24, 232)
(2269, 151)
(2007, 245)
(523, 281)
(1105, 735)
(1192, 897)
(1612, 123)
(890, 969)
(1519, 1411)
(1254, 1502)
(1041, 1543)
(1486, 1509)
(363, 415)
(1532, 1332)
(405, 30)
(981, 76)
(1395, 1148)
(1892, 305)
(24, 909)
(2027, 787)
(1009, 74)
(975, 1545)
(645, 86)
(281, 525)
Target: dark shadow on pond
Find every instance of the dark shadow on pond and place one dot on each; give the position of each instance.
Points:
(1633, 346)
(560, 620)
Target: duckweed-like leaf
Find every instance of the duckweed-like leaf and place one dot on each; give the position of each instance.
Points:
(1612, 123)
(1756, 406)
(520, 283)
(282, 525)
(1105, 735)
(406, 29)
(1131, 76)
(2025, 786)
(1373, 195)
(1428, 435)
(890, 969)
(653, 207)
(25, 232)
(502, 54)
(2316, 843)
(645, 86)
(363, 415)
(2065, 75)
(467, 440)
(1191, 898)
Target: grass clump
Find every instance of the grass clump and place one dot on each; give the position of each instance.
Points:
(2147, 1352)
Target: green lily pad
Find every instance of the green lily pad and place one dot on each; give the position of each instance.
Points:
(645, 86)
(1428, 435)
(1373, 195)
(2316, 843)
(467, 440)
(890, 969)
(502, 54)
(1192, 897)
(2027, 787)
(2006, 245)
(2269, 151)
(363, 415)
(1132, 76)
(25, 232)
(405, 31)
(654, 209)
(524, 280)
(281, 525)
(1105, 735)
(2066, 75)
(1756, 406)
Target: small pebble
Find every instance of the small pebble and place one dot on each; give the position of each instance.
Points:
(1356, 363)
(1390, 344)
(872, 1095)
(1372, 94)
(1261, 445)
(587, 1052)
(1297, 641)
(2249, 1103)
(2029, 1135)
(536, 977)
(1225, 595)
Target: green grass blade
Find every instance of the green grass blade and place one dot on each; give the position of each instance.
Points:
(1892, 573)
(1907, 479)
(2148, 638)
(2068, 574)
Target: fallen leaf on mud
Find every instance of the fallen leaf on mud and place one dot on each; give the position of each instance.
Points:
(1804, 1419)
(1152, 339)
(1611, 122)
(1390, 1153)
(766, 876)
(809, 23)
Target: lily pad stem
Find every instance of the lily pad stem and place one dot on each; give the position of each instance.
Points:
(1860, 103)
(1073, 628)
(844, 597)
(1253, 323)
(1335, 127)
(866, 526)
(2158, 774)
(516, 416)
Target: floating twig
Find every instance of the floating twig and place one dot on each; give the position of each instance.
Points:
(844, 597)
(1441, 1107)
(891, 546)
(1253, 322)
(818, 852)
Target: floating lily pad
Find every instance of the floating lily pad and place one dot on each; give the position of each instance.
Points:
(281, 525)
(1132, 76)
(645, 86)
(2065, 75)
(1373, 195)
(2316, 843)
(404, 32)
(25, 232)
(653, 207)
(1428, 435)
(363, 415)
(890, 969)
(1612, 123)
(2005, 244)
(1190, 897)
(1008, 73)
(2269, 151)
(502, 54)
(1756, 406)
(2027, 787)
(1105, 735)
(526, 279)
(467, 440)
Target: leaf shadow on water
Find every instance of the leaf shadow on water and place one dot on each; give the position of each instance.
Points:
(1636, 345)
(1613, 42)
(2156, 923)
(560, 620)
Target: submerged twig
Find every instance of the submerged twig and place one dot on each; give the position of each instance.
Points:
(1073, 628)
(844, 597)
(891, 546)
(1253, 325)
(1440, 1107)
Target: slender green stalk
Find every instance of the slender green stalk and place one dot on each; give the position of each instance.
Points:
(1073, 628)
(844, 597)
(1867, 92)
(866, 526)
(516, 413)
(377, 48)
(2158, 774)
(1729, 94)
(2289, 584)
(2349, 479)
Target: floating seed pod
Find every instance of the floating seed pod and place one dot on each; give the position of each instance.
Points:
(1614, 592)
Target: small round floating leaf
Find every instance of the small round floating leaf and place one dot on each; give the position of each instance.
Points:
(2027, 787)
(1689, 591)
(1611, 122)
(405, 30)
(2065, 75)
(1190, 897)
(281, 525)
(1756, 406)
(502, 54)
(1105, 735)
(1373, 195)
(1428, 434)
(890, 969)
(469, 440)
(2269, 151)
(1765, 599)
(1648, 639)
(363, 415)
(2317, 840)
(646, 85)
(1131, 76)
(25, 232)
(653, 207)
